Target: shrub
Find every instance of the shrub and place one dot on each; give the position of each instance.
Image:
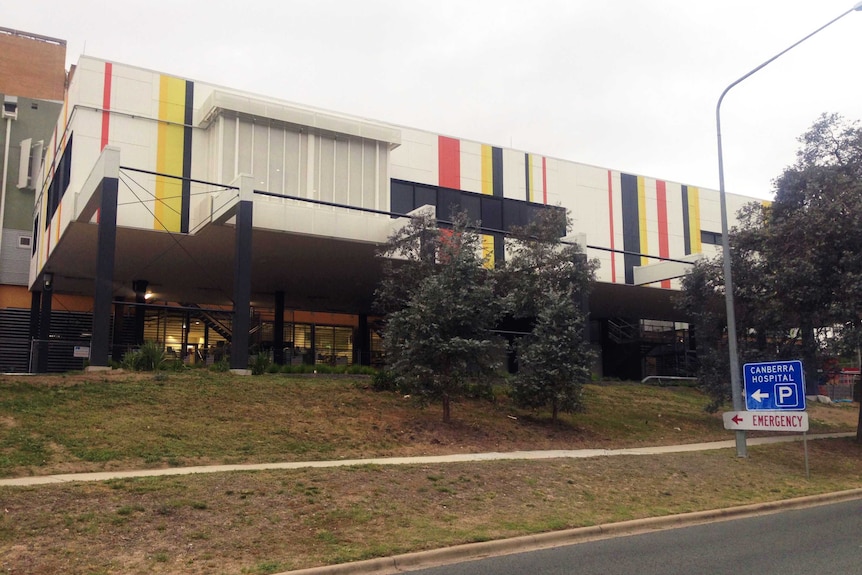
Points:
(149, 357)
(384, 380)
(260, 364)
(220, 366)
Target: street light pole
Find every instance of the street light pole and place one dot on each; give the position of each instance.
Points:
(735, 383)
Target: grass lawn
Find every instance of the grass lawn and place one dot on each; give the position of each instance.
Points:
(273, 521)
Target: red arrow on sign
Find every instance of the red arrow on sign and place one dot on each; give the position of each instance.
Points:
(736, 419)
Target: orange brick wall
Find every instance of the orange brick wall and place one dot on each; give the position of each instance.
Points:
(31, 67)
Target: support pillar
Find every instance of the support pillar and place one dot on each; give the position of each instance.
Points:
(242, 278)
(35, 305)
(362, 342)
(117, 347)
(105, 250)
(45, 322)
(278, 330)
(140, 287)
(187, 326)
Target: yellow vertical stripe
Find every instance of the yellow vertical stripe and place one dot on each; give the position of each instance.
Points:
(694, 219)
(487, 171)
(488, 251)
(642, 220)
(169, 153)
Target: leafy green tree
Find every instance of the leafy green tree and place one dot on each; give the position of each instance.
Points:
(441, 309)
(797, 263)
(547, 281)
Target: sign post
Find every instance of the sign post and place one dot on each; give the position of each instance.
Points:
(774, 400)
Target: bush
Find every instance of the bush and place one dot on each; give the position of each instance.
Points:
(220, 366)
(260, 364)
(149, 357)
(384, 380)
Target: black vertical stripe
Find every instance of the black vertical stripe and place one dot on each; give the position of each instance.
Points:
(527, 174)
(686, 230)
(497, 175)
(631, 224)
(188, 118)
(497, 171)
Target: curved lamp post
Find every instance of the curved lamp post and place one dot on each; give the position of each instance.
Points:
(735, 384)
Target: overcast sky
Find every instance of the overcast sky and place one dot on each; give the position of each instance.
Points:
(624, 84)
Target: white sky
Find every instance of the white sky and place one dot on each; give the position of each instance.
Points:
(624, 84)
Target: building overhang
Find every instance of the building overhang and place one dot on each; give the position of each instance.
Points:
(222, 103)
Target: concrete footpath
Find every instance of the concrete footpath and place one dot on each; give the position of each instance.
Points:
(454, 458)
(471, 551)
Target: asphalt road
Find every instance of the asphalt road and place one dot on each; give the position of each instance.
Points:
(822, 540)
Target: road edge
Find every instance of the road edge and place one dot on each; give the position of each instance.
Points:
(524, 543)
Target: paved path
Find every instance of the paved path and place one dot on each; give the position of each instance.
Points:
(455, 458)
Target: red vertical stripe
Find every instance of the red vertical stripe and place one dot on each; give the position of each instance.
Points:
(661, 204)
(449, 162)
(611, 221)
(106, 104)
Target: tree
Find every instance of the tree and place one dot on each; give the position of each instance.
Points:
(797, 263)
(441, 308)
(547, 282)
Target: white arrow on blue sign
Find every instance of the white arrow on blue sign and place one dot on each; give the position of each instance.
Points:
(774, 385)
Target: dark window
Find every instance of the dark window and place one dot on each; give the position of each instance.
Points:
(713, 238)
(35, 235)
(515, 214)
(472, 204)
(401, 201)
(60, 182)
(492, 212)
(448, 202)
(425, 196)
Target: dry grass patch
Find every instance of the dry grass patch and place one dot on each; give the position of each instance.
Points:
(265, 522)
(94, 422)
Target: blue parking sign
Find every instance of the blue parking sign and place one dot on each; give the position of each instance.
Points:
(774, 385)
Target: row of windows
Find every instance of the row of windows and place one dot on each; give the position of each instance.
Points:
(58, 186)
(494, 213)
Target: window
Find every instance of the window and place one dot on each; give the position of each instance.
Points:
(494, 212)
(713, 238)
(401, 201)
(25, 242)
(35, 233)
(60, 181)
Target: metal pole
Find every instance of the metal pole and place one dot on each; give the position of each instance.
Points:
(735, 383)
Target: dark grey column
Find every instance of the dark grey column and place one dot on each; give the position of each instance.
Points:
(35, 305)
(313, 348)
(105, 250)
(278, 330)
(45, 322)
(242, 286)
(140, 287)
(117, 347)
(187, 326)
(362, 342)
